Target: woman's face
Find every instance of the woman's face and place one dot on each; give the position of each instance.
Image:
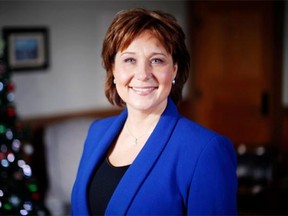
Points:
(144, 73)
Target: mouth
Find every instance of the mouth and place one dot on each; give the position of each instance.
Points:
(143, 90)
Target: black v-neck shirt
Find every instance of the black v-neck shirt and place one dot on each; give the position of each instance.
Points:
(102, 185)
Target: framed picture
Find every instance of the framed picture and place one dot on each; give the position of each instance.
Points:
(26, 48)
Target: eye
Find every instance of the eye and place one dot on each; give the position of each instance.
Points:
(129, 60)
(157, 61)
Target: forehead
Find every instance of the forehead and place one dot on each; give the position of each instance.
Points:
(146, 40)
(145, 36)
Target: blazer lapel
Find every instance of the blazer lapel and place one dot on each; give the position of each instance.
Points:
(101, 146)
(139, 170)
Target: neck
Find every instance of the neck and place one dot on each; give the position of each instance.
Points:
(137, 127)
(137, 117)
(141, 122)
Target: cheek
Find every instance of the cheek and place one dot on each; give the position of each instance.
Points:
(166, 78)
(121, 76)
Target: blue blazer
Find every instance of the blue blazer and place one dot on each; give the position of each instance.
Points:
(183, 168)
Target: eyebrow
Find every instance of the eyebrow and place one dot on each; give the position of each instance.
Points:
(133, 53)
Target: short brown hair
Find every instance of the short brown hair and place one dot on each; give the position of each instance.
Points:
(129, 24)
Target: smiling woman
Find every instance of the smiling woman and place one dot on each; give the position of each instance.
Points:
(162, 27)
(150, 160)
(143, 74)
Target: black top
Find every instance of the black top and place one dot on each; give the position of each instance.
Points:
(103, 183)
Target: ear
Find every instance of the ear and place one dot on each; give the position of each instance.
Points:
(175, 70)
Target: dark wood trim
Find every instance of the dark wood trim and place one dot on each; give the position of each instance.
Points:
(42, 121)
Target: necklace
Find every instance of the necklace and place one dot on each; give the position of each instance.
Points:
(135, 142)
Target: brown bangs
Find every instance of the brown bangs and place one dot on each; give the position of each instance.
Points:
(128, 25)
(132, 26)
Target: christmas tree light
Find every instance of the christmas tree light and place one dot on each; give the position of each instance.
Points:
(19, 191)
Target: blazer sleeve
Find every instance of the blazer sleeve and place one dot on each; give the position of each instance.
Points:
(213, 189)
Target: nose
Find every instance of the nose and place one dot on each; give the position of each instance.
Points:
(143, 71)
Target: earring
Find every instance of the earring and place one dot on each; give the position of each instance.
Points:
(173, 81)
(114, 81)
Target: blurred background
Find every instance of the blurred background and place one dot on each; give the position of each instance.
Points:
(238, 86)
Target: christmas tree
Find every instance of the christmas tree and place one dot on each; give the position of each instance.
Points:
(19, 190)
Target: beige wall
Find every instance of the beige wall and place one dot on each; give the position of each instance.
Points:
(74, 80)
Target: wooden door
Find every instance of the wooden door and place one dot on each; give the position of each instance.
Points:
(233, 67)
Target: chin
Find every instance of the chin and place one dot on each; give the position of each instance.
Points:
(148, 106)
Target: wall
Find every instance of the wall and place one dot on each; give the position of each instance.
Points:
(75, 79)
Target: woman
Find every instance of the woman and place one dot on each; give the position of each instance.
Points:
(150, 160)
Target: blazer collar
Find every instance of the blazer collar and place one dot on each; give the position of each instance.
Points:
(140, 168)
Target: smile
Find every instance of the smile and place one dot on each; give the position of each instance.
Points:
(143, 90)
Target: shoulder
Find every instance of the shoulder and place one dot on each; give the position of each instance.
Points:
(193, 131)
(98, 128)
(101, 124)
(199, 140)
(189, 136)
(105, 126)
(200, 149)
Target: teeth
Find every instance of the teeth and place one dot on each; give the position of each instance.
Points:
(142, 89)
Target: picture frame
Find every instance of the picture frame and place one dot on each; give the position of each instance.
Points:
(26, 48)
